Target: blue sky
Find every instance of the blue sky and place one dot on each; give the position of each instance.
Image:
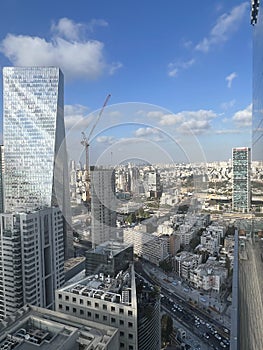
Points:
(179, 72)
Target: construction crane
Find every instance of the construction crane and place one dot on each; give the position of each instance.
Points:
(85, 142)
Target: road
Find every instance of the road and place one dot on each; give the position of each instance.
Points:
(250, 298)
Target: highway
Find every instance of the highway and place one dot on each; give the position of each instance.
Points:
(206, 328)
(250, 294)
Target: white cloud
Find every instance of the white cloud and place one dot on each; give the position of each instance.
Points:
(188, 118)
(77, 56)
(108, 140)
(175, 67)
(225, 26)
(228, 104)
(141, 132)
(230, 78)
(227, 131)
(194, 126)
(76, 116)
(243, 118)
(171, 119)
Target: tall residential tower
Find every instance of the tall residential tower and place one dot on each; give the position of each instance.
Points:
(241, 187)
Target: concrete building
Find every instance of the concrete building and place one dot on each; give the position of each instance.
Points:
(209, 276)
(109, 257)
(32, 259)
(36, 166)
(185, 262)
(103, 205)
(115, 302)
(146, 245)
(35, 328)
(241, 186)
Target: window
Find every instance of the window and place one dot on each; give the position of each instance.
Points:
(96, 305)
(74, 310)
(113, 308)
(81, 312)
(88, 303)
(67, 308)
(60, 296)
(81, 301)
(121, 333)
(97, 316)
(130, 347)
(66, 297)
(121, 311)
(129, 313)
(74, 299)
(121, 322)
(60, 306)
(89, 314)
(104, 307)
(130, 336)
(113, 320)
(130, 324)
(122, 345)
(104, 318)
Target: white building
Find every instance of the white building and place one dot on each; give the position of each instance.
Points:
(32, 259)
(147, 245)
(209, 276)
(185, 262)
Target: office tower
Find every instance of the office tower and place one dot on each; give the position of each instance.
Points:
(32, 258)
(103, 227)
(247, 288)
(121, 301)
(241, 170)
(36, 169)
(1, 179)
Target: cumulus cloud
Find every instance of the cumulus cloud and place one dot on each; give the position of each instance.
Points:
(108, 140)
(243, 118)
(230, 78)
(190, 121)
(225, 26)
(76, 116)
(69, 48)
(175, 67)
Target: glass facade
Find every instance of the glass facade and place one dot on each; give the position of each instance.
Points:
(257, 114)
(33, 101)
(36, 168)
(241, 191)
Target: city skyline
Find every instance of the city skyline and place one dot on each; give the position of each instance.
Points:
(182, 69)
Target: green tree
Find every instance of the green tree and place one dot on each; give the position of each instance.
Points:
(166, 328)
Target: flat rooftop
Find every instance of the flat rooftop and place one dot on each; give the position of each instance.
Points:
(32, 328)
(117, 289)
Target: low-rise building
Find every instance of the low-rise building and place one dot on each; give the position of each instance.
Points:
(35, 328)
(185, 262)
(209, 276)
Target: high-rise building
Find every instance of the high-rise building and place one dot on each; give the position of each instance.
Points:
(241, 187)
(32, 259)
(36, 169)
(122, 301)
(103, 213)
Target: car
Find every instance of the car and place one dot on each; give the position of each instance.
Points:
(218, 336)
(206, 335)
(226, 330)
(222, 345)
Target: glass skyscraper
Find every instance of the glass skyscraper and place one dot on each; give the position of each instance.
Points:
(36, 169)
(241, 188)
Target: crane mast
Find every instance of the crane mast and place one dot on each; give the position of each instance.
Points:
(85, 142)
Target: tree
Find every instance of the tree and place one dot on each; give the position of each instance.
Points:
(166, 328)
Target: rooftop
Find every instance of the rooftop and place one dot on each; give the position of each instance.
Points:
(32, 328)
(117, 289)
